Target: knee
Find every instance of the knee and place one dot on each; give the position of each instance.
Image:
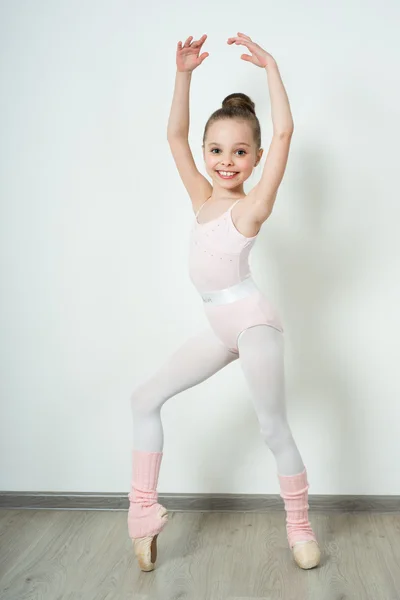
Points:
(139, 400)
(145, 399)
(276, 433)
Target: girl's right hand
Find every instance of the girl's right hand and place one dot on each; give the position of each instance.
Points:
(187, 56)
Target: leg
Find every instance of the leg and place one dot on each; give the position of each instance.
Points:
(262, 361)
(261, 350)
(199, 358)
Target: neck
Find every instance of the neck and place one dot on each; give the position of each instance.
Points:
(220, 193)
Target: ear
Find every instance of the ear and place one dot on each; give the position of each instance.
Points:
(259, 155)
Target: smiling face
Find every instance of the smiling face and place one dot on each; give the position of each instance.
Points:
(230, 153)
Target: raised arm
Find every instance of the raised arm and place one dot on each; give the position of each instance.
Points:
(264, 193)
(187, 59)
(262, 197)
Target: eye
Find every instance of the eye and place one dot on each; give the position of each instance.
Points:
(217, 149)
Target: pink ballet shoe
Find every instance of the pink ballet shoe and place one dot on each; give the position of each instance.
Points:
(307, 555)
(145, 548)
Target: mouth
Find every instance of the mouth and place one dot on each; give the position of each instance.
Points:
(227, 174)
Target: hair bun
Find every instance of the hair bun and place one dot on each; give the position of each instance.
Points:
(240, 101)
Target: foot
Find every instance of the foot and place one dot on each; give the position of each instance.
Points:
(306, 554)
(146, 547)
(146, 521)
(146, 552)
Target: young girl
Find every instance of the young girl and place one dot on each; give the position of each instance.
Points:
(243, 324)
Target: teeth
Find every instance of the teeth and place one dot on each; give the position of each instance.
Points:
(227, 173)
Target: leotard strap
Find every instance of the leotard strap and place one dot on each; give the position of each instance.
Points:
(234, 204)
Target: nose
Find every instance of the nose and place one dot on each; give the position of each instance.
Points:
(226, 161)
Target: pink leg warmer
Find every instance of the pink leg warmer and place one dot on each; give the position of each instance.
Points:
(145, 514)
(294, 491)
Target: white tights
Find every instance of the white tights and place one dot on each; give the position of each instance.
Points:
(261, 355)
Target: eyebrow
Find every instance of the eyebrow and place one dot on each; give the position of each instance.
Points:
(237, 144)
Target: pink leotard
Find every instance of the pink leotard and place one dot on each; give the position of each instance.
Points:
(219, 259)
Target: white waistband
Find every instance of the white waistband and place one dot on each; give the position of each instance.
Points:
(231, 294)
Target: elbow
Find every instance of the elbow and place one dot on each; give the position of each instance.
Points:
(284, 133)
(173, 135)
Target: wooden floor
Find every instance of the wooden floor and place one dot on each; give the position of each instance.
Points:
(87, 555)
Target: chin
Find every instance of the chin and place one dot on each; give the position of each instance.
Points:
(228, 182)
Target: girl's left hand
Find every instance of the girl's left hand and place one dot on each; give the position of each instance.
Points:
(258, 57)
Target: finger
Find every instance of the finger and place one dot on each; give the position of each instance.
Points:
(241, 42)
(200, 42)
(240, 35)
(202, 57)
(236, 40)
(244, 35)
(179, 46)
(247, 57)
(187, 43)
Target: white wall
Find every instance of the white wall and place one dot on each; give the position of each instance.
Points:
(94, 232)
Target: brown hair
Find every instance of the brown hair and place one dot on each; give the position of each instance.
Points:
(241, 107)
